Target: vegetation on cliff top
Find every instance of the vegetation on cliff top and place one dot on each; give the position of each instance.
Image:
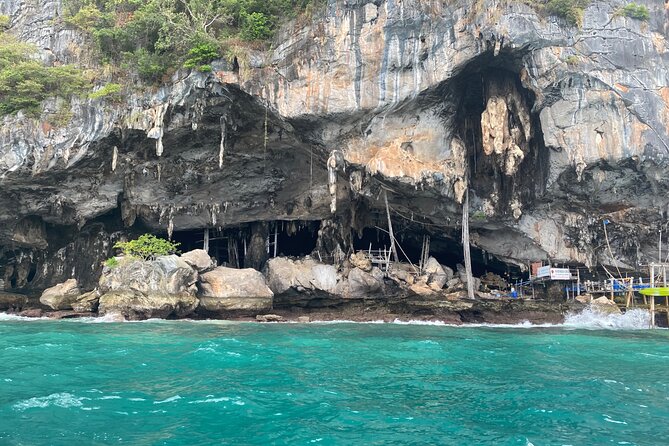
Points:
(153, 37)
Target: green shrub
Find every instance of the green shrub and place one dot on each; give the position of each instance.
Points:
(201, 54)
(147, 247)
(635, 11)
(111, 91)
(255, 26)
(570, 10)
(5, 21)
(111, 263)
(25, 82)
(87, 18)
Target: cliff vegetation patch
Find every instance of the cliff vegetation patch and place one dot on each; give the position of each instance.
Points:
(154, 37)
(25, 82)
(635, 11)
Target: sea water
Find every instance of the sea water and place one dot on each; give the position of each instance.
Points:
(208, 383)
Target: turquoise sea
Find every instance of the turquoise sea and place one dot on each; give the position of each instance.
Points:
(209, 383)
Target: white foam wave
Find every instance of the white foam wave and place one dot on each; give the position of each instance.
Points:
(16, 317)
(168, 400)
(593, 318)
(64, 400)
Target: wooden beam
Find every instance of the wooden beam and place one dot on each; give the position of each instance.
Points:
(465, 245)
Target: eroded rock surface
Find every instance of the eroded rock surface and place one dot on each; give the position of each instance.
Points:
(140, 289)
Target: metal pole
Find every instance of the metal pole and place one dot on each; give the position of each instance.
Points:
(206, 240)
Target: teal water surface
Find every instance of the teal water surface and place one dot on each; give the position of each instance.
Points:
(188, 383)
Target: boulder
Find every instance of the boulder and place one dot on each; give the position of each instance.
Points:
(134, 305)
(269, 318)
(165, 275)
(604, 305)
(303, 319)
(140, 289)
(306, 274)
(228, 289)
(198, 259)
(87, 302)
(61, 296)
(438, 274)
(12, 301)
(584, 298)
(361, 260)
(362, 283)
(32, 312)
(422, 289)
(434, 267)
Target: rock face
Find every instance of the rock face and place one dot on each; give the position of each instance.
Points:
(141, 289)
(551, 128)
(61, 296)
(225, 290)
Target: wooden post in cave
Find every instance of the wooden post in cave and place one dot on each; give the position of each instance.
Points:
(390, 228)
(465, 245)
(205, 244)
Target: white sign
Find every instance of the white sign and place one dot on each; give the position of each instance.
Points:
(560, 274)
(544, 271)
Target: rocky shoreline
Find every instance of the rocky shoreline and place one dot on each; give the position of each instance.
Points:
(192, 286)
(288, 289)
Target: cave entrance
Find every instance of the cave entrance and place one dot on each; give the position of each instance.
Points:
(498, 124)
(229, 245)
(226, 246)
(294, 238)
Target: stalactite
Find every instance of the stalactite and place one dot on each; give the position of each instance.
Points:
(156, 132)
(170, 223)
(114, 158)
(332, 181)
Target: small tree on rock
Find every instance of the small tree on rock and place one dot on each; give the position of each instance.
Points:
(148, 247)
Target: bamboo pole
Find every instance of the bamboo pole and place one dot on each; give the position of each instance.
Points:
(276, 239)
(652, 311)
(390, 228)
(205, 243)
(465, 245)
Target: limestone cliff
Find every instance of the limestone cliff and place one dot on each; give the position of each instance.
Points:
(552, 128)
